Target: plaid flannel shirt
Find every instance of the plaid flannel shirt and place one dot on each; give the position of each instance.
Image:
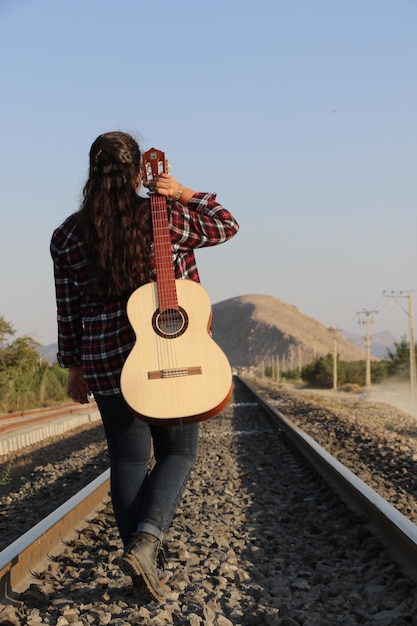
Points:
(98, 335)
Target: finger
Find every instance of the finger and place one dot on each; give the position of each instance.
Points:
(78, 396)
(81, 399)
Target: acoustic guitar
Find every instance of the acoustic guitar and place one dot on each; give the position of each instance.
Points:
(175, 373)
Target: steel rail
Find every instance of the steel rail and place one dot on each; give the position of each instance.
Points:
(20, 559)
(46, 409)
(397, 533)
(10, 422)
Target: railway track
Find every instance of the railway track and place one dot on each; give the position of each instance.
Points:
(22, 557)
(10, 422)
(396, 531)
(248, 507)
(23, 428)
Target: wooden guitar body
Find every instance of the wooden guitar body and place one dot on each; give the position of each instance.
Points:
(175, 372)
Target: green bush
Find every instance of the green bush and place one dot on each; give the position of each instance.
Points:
(26, 381)
(319, 373)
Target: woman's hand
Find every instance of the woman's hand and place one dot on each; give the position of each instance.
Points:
(168, 186)
(77, 388)
(164, 185)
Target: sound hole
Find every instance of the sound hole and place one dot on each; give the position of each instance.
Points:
(170, 323)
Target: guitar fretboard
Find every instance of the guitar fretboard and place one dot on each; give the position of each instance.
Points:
(165, 276)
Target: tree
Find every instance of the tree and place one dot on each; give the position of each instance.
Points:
(22, 352)
(399, 361)
(6, 329)
(26, 380)
(319, 372)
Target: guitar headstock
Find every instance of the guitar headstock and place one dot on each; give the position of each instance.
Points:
(153, 164)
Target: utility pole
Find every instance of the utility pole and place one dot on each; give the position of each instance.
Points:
(409, 296)
(335, 332)
(412, 349)
(367, 321)
(291, 358)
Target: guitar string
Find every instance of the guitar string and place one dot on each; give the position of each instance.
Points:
(167, 278)
(165, 285)
(159, 340)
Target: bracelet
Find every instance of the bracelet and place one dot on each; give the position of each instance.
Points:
(179, 192)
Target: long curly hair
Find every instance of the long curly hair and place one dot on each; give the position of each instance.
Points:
(115, 222)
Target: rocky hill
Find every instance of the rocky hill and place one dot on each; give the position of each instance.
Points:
(255, 328)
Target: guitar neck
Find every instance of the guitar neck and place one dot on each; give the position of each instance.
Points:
(165, 276)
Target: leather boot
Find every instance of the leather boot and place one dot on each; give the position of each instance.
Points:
(137, 581)
(140, 561)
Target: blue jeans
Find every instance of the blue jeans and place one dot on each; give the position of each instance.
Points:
(142, 500)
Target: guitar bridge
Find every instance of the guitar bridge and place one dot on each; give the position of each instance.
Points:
(175, 372)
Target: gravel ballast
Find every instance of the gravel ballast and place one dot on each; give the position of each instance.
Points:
(258, 538)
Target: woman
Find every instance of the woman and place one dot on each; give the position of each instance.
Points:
(101, 254)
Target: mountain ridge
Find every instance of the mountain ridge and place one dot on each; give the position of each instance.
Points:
(257, 327)
(381, 342)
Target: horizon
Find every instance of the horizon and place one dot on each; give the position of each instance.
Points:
(354, 338)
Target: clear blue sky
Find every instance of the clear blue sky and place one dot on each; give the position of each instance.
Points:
(300, 114)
